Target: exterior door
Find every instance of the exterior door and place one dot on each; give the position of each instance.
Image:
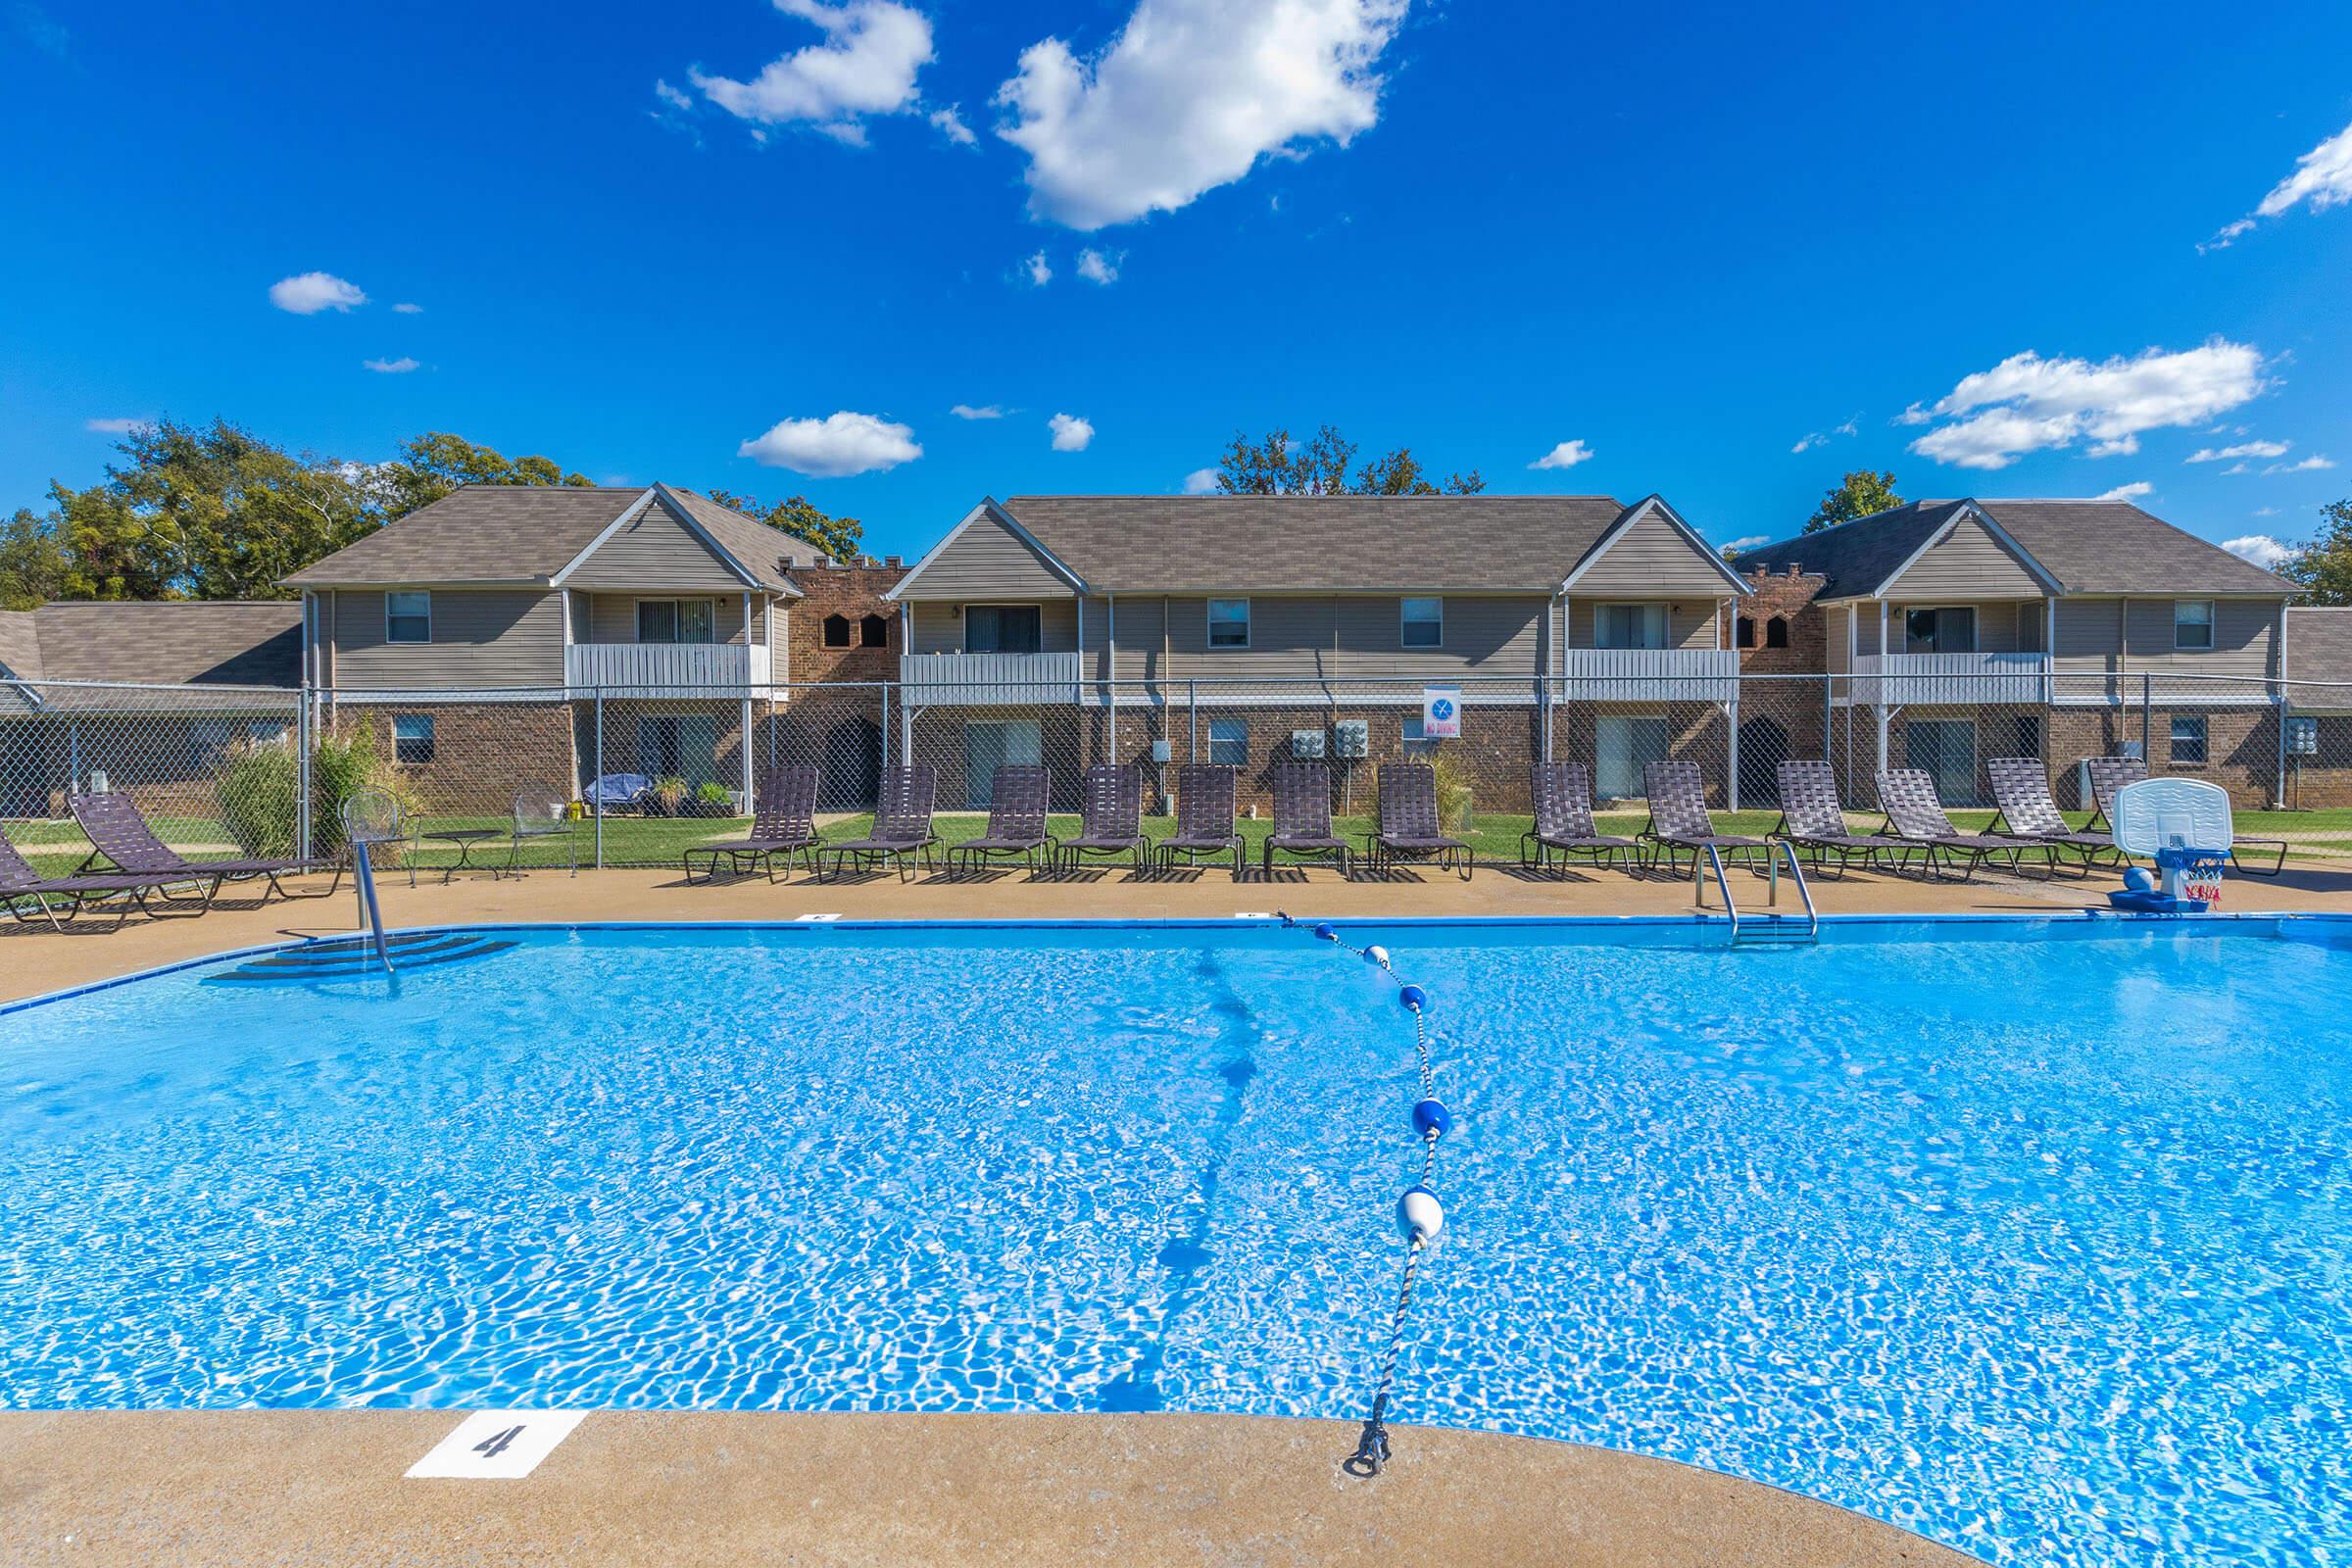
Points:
(1947, 749)
(1623, 744)
(992, 742)
(681, 746)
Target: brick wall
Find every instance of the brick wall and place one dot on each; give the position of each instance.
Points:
(1788, 597)
(851, 593)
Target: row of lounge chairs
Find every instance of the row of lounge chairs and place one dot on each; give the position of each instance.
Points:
(130, 869)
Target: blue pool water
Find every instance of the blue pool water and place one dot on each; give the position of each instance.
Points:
(2029, 1238)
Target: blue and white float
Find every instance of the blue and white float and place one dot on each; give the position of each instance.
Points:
(1419, 1215)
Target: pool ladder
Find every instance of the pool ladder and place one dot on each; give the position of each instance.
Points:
(1773, 930)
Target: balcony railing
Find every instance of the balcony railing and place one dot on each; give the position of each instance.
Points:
(668, 669)
(985, 679)
(1898, 680)
(1651, 675)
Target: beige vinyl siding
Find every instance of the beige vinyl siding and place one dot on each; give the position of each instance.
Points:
(1290, 639)
(939, 627)
(1968, 564)
(1143, 628)
(482, 637)
(612, 617)
(1483, 635)
(1649, 561)
(1690, 622)
(2097, 635)
(1999, 623)
(1837, 625)
(654, 551)
(989, 562)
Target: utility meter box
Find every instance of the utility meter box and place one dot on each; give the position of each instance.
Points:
(1307, 742)
(1160, 751)
(1351, 738)
(2303, 737)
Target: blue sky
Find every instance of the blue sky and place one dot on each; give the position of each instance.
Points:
(1681, 244)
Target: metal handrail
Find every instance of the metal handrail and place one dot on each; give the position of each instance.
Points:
(1723, 885)
(1804, 890)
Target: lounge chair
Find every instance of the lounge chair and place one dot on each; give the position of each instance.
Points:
(1407, 827)
(1916, 823)
(1563, 800)
(1110, 816)
(2028, 814)
(901, 829)
(1302, 816)
(1813, 818)
(1017, 795)
(1204, 809)
(22, 886)
(1678, 819)
(2109, 774)
(783, 822)
(123, 840)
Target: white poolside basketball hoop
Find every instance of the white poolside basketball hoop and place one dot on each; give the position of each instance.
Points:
(2183, 826)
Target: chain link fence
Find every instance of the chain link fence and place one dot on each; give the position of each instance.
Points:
(650, 773)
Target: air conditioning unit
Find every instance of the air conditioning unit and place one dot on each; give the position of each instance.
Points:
(1307, 742)
(1351, 738)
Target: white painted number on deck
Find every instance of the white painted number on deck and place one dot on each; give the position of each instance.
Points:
(497, 1445)
(816, 916)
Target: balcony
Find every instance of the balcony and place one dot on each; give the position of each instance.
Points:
(669, 669)
(1900, 680)
(1651, 675)
(989, 679)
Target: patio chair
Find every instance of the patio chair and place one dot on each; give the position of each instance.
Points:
(1302, 818)
(2027, 813)
(1678, 819)
(1407, 828)
(1813, 818)
(617, 792)
(542, 812)
(783, 822)
(1916, 824)
(1017, 795)
(1563, 798)
(20, 886)
(2109, 774)
(902, 827)
(1205, 812)
(122, 837)
(1110, 816)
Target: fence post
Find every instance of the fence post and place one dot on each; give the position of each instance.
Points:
(1192, 720)
(1731, 777)
(302, 776)
(2147, 718)
(598, 772)
(1829, 721)
(2279, 780)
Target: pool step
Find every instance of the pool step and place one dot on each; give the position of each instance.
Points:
(341, 957)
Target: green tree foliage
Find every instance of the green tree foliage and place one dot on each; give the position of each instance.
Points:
(436, 463)
(2322, 566)
(801, 518)
(1857, 494)
(1279, 466)
(32, 562)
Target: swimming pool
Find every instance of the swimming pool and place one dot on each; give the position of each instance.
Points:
(2028, 1235)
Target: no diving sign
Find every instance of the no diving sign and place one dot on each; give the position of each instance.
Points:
(1440, 712)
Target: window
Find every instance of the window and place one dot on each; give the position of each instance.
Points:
(1629, 625)
(674, 620)
(2192, 624)
(683, 745)
(412, 738)
(1229, 623)
(1743, 633)
(1775, 632)
(1229, 742)
(2188, 739)
(2030, 624)
(409, 617)
(1417, 746)
(2027, 739)
(1420, 622)
(837, 631)
(209, 739)
(874, 632)
(1002, 628)
(1948, 630)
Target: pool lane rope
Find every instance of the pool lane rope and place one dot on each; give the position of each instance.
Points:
(1420, 1217)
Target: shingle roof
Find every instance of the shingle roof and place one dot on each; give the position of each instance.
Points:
(2318, 642)
(20, 645)
(204, 646)
(2090, 547)
(1165, 544)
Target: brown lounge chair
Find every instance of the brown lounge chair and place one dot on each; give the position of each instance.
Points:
(1813, 818)
(1205, 809)
(901, 829)
(783, 822)
(20, 885)
(1302, 816)
(113, 822)
(1916, 824)
(2109, 774)
(2029, 816)
(1110, 816)
(1678, 819)
(1563, 798)
(1408, 830)
(1017, 795)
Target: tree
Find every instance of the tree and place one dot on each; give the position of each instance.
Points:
(802, 518)
(227, 514)
(2322, 566)
(32, 562)
(1276, 466)
(436, 463)
(1858, 494)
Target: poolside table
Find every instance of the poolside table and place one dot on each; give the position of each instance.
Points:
(464, 839)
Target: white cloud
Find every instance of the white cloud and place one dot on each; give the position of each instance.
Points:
(117, 426)
(1201, 482)
(2266, 512)
(1821, 438)
(2261, 549)
(950, 123)
(2027, 403)
(1070, 433)
(1188, 97)
(2322, 178)
(2310, 464)
(839, 444)
(1808, 443)
(1097, 268)
(676, 97)
(1040, 270)
(1567, 455)
(866, 64)
(1747, 541)
(400, 366)
(2125, 492)
(308, 293)
(965, 411)
(2244, 449)
(404, 308)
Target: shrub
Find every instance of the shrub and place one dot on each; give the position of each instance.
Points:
(714, 794)
(260, 783)
(1453, 771)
